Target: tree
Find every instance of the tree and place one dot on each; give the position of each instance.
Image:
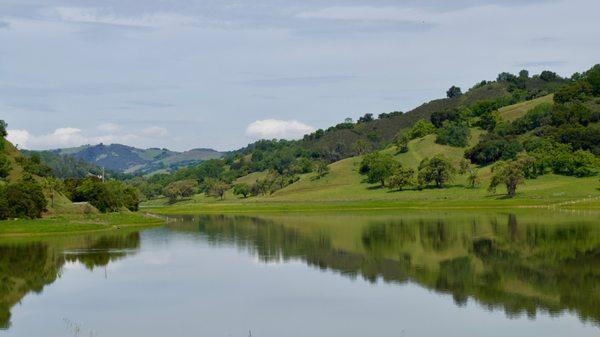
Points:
(5, 166)
(3, 126)
(578, 91)
(507, 77)
(218, 189)
(524, 74)
(421, 128)
(180, 189)
(548, 76)
(401, 178)
(362, 146)
(454, 134)
(592, 76)
(437, 169)
(491, 148)
(401, 142)
(510, 173)
(368, 117)
(23, 199)
(241, 189)
(439, 117)
(471, 172)
(454, 91)
(322, 169)
(488, 120)
(378, 167)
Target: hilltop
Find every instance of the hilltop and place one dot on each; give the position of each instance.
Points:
(127, 159)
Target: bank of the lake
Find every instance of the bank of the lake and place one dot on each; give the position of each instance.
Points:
(77, 223)
(190, 207)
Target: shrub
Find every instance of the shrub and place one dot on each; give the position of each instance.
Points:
(492, 148)
(5, 166)
(23, 199)
(439, 117)
(577, 91)
(533, 118)
(241, 189)
(454, 134)
(421, 128)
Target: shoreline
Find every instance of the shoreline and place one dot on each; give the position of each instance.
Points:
(66, 224)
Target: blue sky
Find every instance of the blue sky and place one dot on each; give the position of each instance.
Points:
(221, 73)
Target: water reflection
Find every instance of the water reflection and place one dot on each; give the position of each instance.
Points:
(29, 266)
(521, 266)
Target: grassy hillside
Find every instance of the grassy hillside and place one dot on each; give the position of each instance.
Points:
(345, 187)
(512, 112)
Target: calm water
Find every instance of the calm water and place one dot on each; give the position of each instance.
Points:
(391, 274)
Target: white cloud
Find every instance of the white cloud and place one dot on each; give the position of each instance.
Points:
(109, 127)
(275, 128)
(18, 137)
(70, 137)
(95, 15)
(61, 137)
(155, 131)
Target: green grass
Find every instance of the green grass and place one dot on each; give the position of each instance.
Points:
(76, 223)
(512, 112)
(344, 188)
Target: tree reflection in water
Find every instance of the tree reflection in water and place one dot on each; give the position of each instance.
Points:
(28, 267)
(519, 267)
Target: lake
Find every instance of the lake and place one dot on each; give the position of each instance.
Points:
(378, 274)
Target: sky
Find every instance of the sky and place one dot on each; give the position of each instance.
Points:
(184, 74)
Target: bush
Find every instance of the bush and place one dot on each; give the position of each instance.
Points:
(454, 134)
(579, 137)
(578, 91)
(23, 199)
(439, 117)
(108, 196)
(5, 166)
(492, 148)
(33, 165)
(421, 128)
(592, 76)
(241, 189)
(533, 118)
(485, 106)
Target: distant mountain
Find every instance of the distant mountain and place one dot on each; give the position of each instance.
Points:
(128, 159)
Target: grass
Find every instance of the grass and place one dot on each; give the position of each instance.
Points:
(76, 223)
(512, 112)
(345, 189)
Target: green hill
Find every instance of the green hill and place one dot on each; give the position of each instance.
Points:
(127, 159)
(345, 185)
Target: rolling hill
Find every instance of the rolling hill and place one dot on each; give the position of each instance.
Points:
(344, 185)
(128, 159)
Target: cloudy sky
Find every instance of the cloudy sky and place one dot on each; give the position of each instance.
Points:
(221, 73)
